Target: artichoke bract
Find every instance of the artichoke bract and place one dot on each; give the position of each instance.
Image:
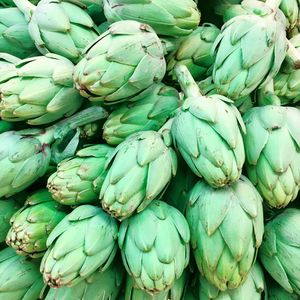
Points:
(104, 285)
(32, 224)
(170, 18)
(79, 179)
(41, 91)
(83, 242)
(122, 62)
(249, 50)
(253, 288)
(20, 278)
(26, 154)
(276, 292)
(7, 208)
(195, 52)
(139, 170)
(7, 66)
(155, 246)
(272, 142)
(14, 36)
(60, 27)
(147, 111)
(280, 250)
(226, 230)
(5, 126)
(218, 159)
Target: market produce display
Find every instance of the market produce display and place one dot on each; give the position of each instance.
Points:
(149, 150)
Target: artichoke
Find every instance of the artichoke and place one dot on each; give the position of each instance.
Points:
(272, 142)
(58, 26)
(104, 285)
(83, 242)
(5, 126)
(40, 92)
(169, 18)
(139, 170)
(7, 66)
(14, 36)
(219, 159)
(7, 208)
(78, 180)
(276, 292)
(254, 288)
(147, 111)
(94, 9)
(249, 50)
(122, 62)
(26, 154)
(280, 250)
(20, 277)
(155, 246)
(195, 52)
(32, 224)
(226, 230)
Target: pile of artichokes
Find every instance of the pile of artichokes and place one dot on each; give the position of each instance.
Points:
(149, 150)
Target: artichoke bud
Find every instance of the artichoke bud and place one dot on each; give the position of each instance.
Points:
(87, 234)
(139, 170)
(226, 231)
(32, 224)
(155, 247)
(219, 159)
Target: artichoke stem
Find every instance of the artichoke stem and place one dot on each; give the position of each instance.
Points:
(187, 82)
(274, 4)
(26, 7)
(293, 56)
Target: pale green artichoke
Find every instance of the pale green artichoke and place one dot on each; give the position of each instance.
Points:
(249, 50)
(253, 288)
(147, 111)
(272, 142)
(176, 292)
(280, 250)
(226, 231)
(32, 224)
(104, 285)
(14, 36)
(7, 208)
(60, 27)
(195, 52)
(276, 292)
(7, 66)
(78, 179)
(20, 277)
(155, 246)
(139, 170)
(112, 71)
(170, 18)
(83, 242)
(218, 159)
(40, 92)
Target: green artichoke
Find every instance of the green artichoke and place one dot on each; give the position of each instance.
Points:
(112, 71)
(253, 288)
(155, 246)
(95, 9)
(280, 250)
(104, 285)
(272, 142)
(78, 180)
(276, 292)
(83, 242)
(25, 155)
(176, 292)
(139, 170)
(5, 126)
(32, 224)
(169, 18)
(41, 91)
(249, 50)
(58, 26)
(147, 111)
(195, 52)
(219, 159)
(14, 36)
(20, 277)
(7, 208)
(226, 230)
